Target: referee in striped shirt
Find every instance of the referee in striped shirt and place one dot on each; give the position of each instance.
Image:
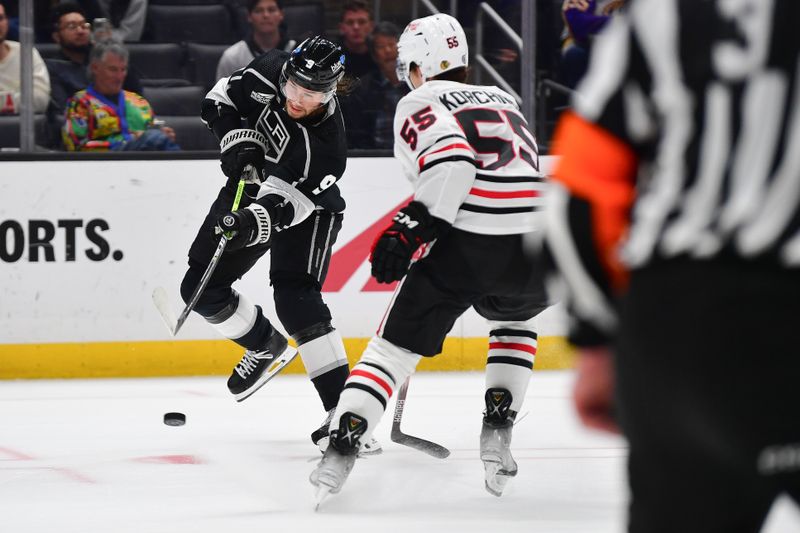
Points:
(675, 223)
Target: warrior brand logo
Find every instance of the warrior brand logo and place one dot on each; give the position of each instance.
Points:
(261, 98)
(45, 240)
(228, 220)
(779, 459)
(273, 128)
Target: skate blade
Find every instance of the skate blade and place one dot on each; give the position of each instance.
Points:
(496, 477)
(322, 492)
(277, 365)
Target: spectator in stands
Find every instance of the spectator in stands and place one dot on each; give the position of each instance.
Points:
(104, 116)
(355, 27)
(583, 19)
(127, 17)
(41, 16)
(10, 68)
(265, 18)
(69, 71)
(369, 111)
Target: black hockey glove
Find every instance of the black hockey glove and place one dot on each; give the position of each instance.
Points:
(245, 227)
(392, 251)
(240, 148)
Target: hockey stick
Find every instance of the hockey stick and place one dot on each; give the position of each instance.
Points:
(160, 298)
(397, 435)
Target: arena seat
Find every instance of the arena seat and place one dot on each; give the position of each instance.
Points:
(48, 50)
(158, 63)
(191, 133)
(184, 101)
(202, 60)
(9, 131)
(189, 23)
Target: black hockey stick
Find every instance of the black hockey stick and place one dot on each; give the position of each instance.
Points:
(425, 446)
(160, 297)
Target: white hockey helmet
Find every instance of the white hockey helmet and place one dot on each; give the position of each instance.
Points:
(435, 44)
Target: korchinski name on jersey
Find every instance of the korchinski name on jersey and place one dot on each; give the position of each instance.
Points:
(453, 99)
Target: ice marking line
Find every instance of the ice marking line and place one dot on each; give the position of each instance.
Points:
(68, 472)
(197, 393)
(71, 474)
(170, 459)
(15, 455)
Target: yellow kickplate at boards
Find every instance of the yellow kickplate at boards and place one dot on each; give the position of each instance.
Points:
(218, 357)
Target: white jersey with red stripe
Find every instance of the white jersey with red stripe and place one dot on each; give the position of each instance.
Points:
(470, 156)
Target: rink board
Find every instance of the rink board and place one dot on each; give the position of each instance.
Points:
(84, 243)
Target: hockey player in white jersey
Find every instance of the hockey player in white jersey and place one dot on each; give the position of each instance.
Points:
(474, 166)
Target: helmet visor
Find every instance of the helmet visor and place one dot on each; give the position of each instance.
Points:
(297, 93)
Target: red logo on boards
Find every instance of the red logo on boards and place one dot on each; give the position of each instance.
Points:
(349, 258)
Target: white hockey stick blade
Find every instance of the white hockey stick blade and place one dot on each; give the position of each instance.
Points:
(162, 303)
(280, 362)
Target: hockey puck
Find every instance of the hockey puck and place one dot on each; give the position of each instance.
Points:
(174, 419)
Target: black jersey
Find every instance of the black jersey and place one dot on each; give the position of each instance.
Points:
(309, 154)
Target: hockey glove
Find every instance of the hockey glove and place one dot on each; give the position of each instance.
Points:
(240, 148)
(246, 227)
(392, 251)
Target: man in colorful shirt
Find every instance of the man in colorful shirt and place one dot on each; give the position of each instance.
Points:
(106, 117)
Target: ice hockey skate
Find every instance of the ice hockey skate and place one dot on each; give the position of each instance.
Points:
(321, 438)
(340, 456)
(257, 367)
(498, 421)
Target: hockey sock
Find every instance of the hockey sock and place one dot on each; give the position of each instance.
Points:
(512, 349)
(243, 323)
(324, 357)
(330, 384)
(383, 367)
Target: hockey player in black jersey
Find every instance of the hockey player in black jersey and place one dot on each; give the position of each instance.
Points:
(280, 116)
(477, 192)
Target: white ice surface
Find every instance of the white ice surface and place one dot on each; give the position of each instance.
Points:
(90, 456)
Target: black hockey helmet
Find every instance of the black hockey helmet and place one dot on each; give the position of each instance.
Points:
(316, 64)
